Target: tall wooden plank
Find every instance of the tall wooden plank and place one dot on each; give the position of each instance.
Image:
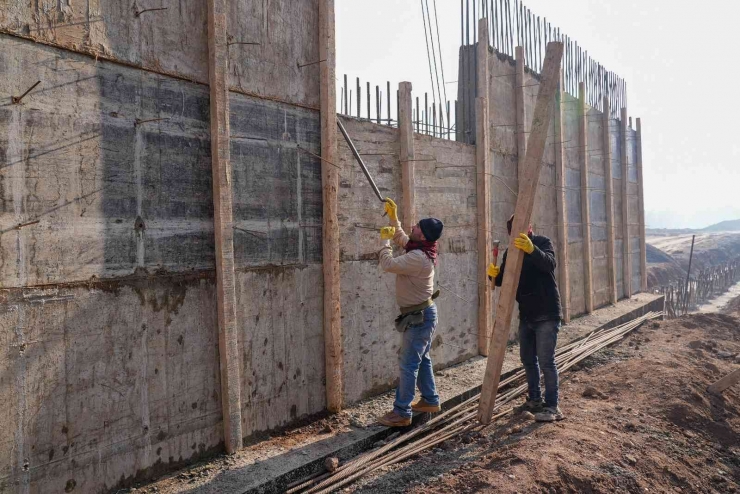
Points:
(483, 165)
(406, 135)
(521, 134)
(626, 256)
(585, 203)
(330, 182)
(563, 274)
(522, 215)
(223, 225)
(611, 260)
(641, 210)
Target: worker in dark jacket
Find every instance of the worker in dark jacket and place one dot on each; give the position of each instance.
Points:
(539, 320)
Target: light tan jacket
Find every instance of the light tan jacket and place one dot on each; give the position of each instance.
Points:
(414, 271)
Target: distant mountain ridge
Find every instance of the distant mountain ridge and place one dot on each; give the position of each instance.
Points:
(724, 226)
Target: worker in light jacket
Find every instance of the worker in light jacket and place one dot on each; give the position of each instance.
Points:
(417, 321)
(540, 313)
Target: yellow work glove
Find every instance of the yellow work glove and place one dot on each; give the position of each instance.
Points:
(524, 243)
(391, 209)
(492, 270)
(387, 232)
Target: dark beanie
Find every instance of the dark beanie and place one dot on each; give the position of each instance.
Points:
(431, 228)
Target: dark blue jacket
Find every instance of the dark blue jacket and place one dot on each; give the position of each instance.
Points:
(538, 294)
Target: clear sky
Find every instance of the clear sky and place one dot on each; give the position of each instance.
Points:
(679, 60)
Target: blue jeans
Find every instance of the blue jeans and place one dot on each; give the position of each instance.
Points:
(537, 342)
(415, 364)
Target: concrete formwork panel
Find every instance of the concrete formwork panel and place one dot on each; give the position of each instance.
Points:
(268, 40)
(280, 312)
(598, 207)
(107, 382)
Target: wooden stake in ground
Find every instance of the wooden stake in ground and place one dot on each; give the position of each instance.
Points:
(729, 380)
(528, 183)
(330, 183)
(223, 226)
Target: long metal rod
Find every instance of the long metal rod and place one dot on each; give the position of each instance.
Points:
(688, 274)
(359, 160)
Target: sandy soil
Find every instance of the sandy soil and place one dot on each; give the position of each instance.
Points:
(648, 425)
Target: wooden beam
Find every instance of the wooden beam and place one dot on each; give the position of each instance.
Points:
(585, 203)
(641, 211)
(406, 136)
(563, 274)
(611, 259)
(522, 214)
(228, 349)
(626, 259)
(483, 193)
(333, 355)
(729, 380)
(521, 117)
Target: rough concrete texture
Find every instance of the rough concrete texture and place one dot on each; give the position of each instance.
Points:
(114, 164)
(268, 40)
(107, 382)
(445, 188)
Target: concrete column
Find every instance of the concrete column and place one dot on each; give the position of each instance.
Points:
(333, 355)
(626, 261)
(611, 261)
(228, 349)
(521, 135)
(585, 203)
(483, 181)
(641, 212)
(563, 275)
(406, 135)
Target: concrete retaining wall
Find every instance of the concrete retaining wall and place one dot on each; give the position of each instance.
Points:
(110, 364)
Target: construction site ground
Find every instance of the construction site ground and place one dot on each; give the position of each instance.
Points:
(281, 451)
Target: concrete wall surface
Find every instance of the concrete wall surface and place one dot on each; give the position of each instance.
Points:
(268, 40)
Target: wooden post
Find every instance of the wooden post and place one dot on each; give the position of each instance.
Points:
(228, 349)
(522, 215)
(730, 379)
(406, 134)
(563, 275)
(330, 182)
(611, 260)
(521, 135)
(626, 259)
(585, 205)
(483, 164)
(641, 211)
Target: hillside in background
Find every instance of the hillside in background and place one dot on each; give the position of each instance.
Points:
(724, 226)
(668, 254)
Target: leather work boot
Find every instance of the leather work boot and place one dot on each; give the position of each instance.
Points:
(392, 419)
(423, 406)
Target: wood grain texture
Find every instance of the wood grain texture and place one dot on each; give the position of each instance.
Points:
(406, 142)
(626, 257)
(522, 216)
(330, 182)
(585, 202)
(729, 380)
(483, 195)
(223, 226)
(563, 275)
(521, 117)
(641, 210)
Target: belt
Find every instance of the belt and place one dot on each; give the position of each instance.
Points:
(421, 306)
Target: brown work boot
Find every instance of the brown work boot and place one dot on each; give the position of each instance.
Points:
(423, 406)
(392, 419)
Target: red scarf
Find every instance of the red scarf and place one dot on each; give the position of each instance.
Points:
(427, 247)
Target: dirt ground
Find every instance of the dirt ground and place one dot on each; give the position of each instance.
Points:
(638, 419)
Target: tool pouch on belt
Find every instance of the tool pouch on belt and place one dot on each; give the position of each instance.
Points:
(413, 315)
